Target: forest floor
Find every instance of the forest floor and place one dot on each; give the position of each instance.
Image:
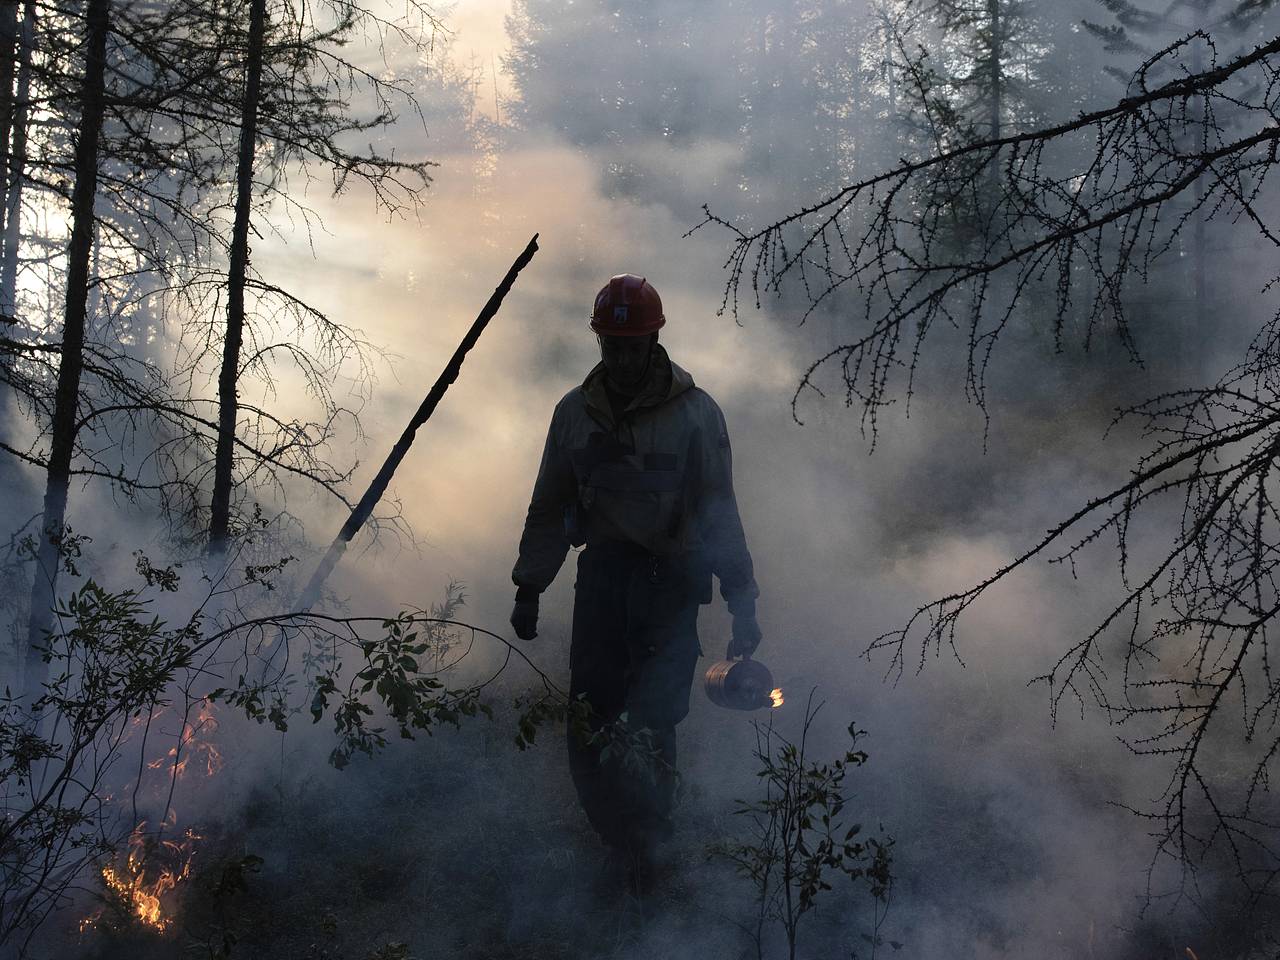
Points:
(461, 846)
(453, 846)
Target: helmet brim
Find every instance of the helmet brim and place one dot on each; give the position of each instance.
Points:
(621, 330)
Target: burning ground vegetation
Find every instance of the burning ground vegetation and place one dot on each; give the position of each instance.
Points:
(227, 837)
(464, 845)
(225, 825)
(460, 845)
(235, 839)
(238, 841)
(140, 883)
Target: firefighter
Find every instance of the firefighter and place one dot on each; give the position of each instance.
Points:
(637, 469)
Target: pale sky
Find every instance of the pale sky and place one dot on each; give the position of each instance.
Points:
(478, 25)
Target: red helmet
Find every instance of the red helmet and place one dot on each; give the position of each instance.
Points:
(627, 306)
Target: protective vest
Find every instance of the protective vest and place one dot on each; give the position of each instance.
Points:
(659, 477)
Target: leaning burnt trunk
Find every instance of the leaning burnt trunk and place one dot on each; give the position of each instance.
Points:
(364, 509)
(224, 459)
(63, 428)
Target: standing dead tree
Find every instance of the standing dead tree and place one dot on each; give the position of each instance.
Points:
(295, 115)
(1184, 659)
(233, 338)
(67, 395)
(170, 106)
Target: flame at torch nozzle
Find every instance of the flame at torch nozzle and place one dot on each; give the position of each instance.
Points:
(775, 698)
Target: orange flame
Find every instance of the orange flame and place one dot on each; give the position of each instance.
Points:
(138, 885)
(194, 744)
(154, 868)
(775, 698)
(143, 901)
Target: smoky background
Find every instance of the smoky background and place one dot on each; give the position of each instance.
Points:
(606, 141)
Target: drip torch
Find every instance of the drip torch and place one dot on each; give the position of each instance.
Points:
(741, 685)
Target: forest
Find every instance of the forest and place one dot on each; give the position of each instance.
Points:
(983, 290)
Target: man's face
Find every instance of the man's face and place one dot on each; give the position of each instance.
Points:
(626, 359)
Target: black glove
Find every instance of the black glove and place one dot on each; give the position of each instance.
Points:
(746, 637)
(524, 619)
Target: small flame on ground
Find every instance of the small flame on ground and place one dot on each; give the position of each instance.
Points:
(775, 698)
(142, 900)
(155, 866)
(138, 894)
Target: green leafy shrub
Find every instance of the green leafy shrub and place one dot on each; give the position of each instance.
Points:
(798, 843)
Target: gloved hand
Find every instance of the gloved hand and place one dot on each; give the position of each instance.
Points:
(745, 638)
(524, 619)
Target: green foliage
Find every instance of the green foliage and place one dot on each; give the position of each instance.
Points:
(111, 664)
(111, 655)
(166, 578)
(615, 742)
(415, 700)
(114, 662)
(439, 632)
(68, 544)
(633, 749)
(799, 842)
(260, 702)
(395, 674)
(538, 710)
(20, 747)
(264, 574)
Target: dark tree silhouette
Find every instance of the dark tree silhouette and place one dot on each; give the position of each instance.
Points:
(175, 117)
(1130, 33)
(1085, 208)
(1079, 209)
(294, 102)
(233, 338)
(71, 356)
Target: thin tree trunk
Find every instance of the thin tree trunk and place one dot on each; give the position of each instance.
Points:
(17, 164)
(224, 461)
(1199, 340)
(8, 68)
(995, 105)
(11, 476)
(364, 508)
(891, 73)
(66, 397)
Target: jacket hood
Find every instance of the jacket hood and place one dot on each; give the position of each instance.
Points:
(665, 381)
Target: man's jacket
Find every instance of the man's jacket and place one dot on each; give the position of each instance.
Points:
(661, 477)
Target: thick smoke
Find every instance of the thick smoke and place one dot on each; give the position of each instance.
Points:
(1007, 842)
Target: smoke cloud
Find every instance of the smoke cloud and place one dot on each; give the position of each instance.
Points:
(1007, 840)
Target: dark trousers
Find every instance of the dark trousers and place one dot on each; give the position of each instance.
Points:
(632, 660)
